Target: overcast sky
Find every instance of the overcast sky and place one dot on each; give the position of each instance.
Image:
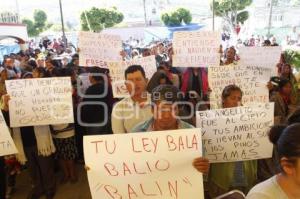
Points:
(73, 8)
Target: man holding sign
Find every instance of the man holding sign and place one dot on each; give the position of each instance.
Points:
(173, 148)
(165, 110)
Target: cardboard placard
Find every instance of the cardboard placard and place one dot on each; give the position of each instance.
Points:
(40, 101)
(252, 81)
(7, 146)
(237, 134)
(195, 49)
(96, 49)
(154, 165)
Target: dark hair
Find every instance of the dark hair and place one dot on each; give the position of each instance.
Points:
(283, 82)
(294, 117)
(95, 70)
(168, 93)
(267, 43)
(41, 70)
(134, 68)
(230, 48)
(155, 80)
(164, 63)
(229, 89)
(287, 140)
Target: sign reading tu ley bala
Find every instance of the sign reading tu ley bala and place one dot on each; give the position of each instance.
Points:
(152, 165)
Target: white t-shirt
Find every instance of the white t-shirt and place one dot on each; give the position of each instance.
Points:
(126, 114)
(268, 189)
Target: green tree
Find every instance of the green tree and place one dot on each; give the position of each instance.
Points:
(176, 17)
(293, 58)
(96, 19)
(232, 11)
(40, 20)
(32, 31)
(38, 25)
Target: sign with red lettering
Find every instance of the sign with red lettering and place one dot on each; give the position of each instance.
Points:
(252, 81)
(117, 73)
(40, 101)
(119, 89)
(96, 49)
(154, 165)
(237, 134)
(196, 49)
(7, 146)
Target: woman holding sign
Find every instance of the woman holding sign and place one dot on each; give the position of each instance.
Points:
(224, 177)
(286, 184)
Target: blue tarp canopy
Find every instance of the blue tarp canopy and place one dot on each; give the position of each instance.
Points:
(167, 32)
(7, 49)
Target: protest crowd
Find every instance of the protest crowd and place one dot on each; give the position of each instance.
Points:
(172, 96)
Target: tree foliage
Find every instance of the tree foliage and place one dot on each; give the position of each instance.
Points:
(293, 58)
(96, 19)
(38, 24)
(232, 11)
(176, 17)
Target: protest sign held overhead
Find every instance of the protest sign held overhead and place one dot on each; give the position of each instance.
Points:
(237, 134)
(40, 101)
(252, 81)
(196, 49)
(117, 73)
(96, 49)
(267, 57)
(7, 146)
(154, 165)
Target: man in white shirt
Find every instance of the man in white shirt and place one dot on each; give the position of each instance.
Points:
(135, 109)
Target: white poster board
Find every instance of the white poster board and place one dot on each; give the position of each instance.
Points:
(154, 165)
(195, 49)
(117, 73)
(237, 134)
(252, 81)
(96, 49)
(40, 101)
(7, 146)
(267, 57)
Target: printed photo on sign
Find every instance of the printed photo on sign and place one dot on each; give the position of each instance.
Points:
(96, 49)
(7, 145)
(237, 134)
(154, 165)
(40, 101)
(196, 49)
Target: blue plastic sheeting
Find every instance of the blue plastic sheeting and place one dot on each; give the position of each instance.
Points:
(7, 49)
(167, 32)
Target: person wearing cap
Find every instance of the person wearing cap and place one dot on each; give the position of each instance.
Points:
(165, 111)
(136, 108)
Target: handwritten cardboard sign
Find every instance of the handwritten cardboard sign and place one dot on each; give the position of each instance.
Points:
(195, 49)
(96, 49)
(267, 57)
(154, 165)
(7, 146)
(252, 81)
(117, 73)
(237, 134)
(40, 101)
